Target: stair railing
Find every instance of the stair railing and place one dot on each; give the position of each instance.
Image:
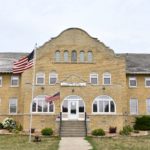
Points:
(85, 122)
(60, 124)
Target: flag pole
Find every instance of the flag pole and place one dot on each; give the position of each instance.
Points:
(33, 87)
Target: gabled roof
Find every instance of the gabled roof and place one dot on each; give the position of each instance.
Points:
(137, 63)
(7, 59)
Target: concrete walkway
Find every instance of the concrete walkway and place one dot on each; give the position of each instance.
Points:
(74, 143)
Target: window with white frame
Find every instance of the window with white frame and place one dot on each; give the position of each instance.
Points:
(94, 78)
(1, 81)
(13, 106)
(90, 56)
(14, 81)
(133, 106)
(39, 105)
(81, 56)
(104, 105)
(132, 82)
(66, 55)
(106, 78)
(147, 82)
(57, 56)
(40, 78)
(53, 77)
(148, 105)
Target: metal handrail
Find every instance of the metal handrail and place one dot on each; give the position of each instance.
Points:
(85, 122)
(60, 124)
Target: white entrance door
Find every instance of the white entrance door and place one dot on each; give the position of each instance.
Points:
(73, 112)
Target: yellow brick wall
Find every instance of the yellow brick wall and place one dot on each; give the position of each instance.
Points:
(105, 60)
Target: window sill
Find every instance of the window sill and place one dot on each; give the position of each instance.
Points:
(74, 62)
(103, 113)
(42, 113)
(13, 86)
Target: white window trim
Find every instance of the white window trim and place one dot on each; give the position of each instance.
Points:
(106, 74)
(131, 113)
(40, 74)
(97, 76)
(53, 74)
(12, 79)
(16, 105)
(132, 78)
(1, 78)
(103, 113)
(148, 99)
(145, 82)
(42, 108)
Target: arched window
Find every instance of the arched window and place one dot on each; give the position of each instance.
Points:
(66, 104)
(40, 78)
(66, 56)
(104, 105)
(81, 56)
(39, 105)
(90, 56)
(106, 78)
(74, 56)
(57, 56)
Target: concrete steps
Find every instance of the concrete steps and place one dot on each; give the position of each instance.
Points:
(73, 129)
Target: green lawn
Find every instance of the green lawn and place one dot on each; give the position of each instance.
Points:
(19, 142)
(120, 143)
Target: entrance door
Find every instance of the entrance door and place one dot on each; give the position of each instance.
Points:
(73, 110)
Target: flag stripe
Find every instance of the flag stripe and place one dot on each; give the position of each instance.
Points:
(52, 98)
(23, 63)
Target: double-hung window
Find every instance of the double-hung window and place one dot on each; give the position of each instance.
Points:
(147, 82)
(133, 106)
(94, 78)
(106, 79)
(14, 81)
(53, 77)
(132, 82)
(40, 78)
(148, 106)
(13, 106)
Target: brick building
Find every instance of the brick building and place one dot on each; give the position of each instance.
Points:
(111, 88)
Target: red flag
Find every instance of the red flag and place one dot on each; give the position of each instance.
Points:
(52, 98)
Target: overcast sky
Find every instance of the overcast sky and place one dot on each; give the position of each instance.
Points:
(123, 25)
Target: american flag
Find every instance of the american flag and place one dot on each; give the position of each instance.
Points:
(52, 98)
(23, 63)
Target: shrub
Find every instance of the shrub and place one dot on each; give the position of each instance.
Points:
(47, 131)
(9, 123)
(112, 129)
(98, 132)
(126, 130)
(142, 123)
(1, 125)
(19, 127)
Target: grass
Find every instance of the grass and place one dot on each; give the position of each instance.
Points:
(19, 142)
(120, 143)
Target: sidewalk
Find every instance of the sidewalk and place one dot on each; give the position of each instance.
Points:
(74, 143)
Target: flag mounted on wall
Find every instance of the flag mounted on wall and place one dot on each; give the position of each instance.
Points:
(23, 63)
(52, 98)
